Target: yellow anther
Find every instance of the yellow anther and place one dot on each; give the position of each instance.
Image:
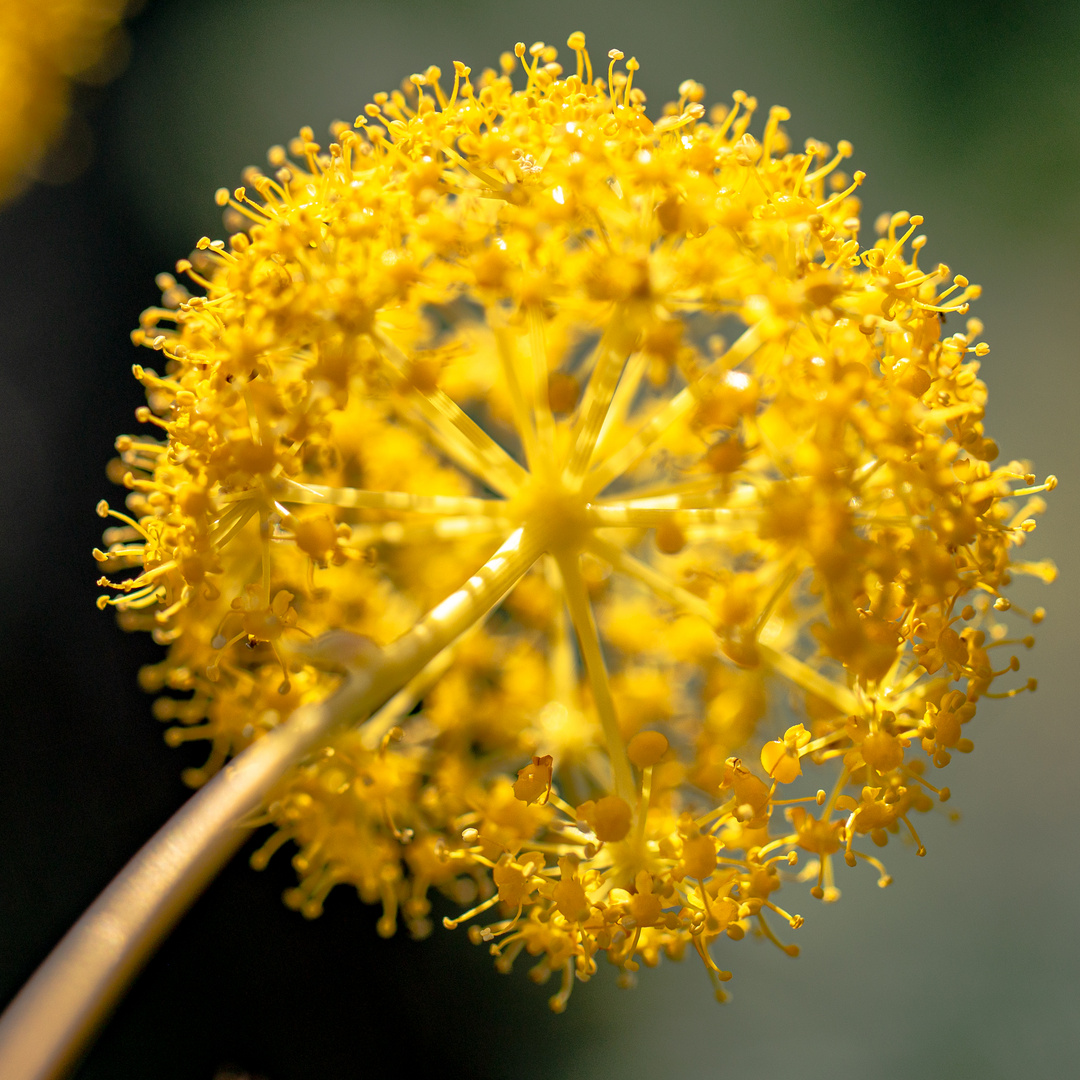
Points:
(646, 748)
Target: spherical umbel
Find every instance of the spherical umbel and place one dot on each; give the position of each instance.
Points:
(643, 381)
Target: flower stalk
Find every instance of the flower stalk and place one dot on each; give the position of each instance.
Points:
(49, 1023)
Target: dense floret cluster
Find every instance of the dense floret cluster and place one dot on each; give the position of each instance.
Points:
(726, 456)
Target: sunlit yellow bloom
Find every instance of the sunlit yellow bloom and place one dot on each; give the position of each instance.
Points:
(42, 46)
(722, 454)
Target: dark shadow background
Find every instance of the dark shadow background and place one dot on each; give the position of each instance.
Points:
(966, 112)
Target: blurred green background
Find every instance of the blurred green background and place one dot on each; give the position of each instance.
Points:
(968, 966)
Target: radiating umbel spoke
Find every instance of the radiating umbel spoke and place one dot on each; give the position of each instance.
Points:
(676, 410)
(458, 434)
(783, 663)
(291, 491)
(581, 615)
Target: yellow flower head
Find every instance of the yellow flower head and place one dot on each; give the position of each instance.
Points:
(42, 46)
(609, 443)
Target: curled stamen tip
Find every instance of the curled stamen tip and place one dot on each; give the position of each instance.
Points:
(194, 778)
